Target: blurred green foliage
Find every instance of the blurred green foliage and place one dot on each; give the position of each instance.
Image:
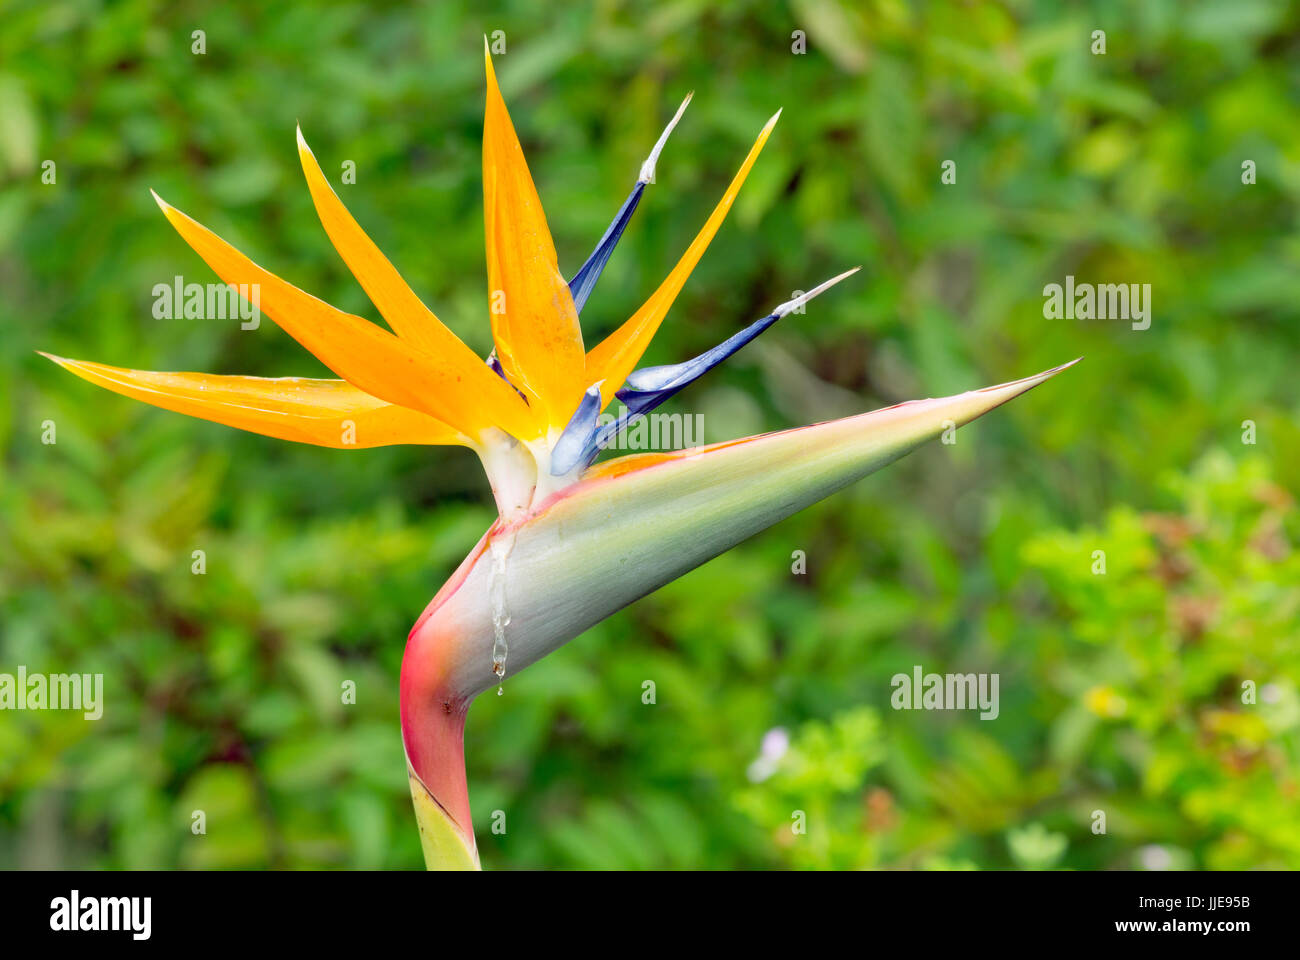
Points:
(1120, 692)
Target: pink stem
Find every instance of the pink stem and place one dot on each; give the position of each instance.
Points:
(433, 730)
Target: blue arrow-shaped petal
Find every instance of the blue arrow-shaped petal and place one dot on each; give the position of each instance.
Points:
(647, 388)
(584, 281)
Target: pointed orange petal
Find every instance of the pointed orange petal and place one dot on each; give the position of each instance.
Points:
(328, 413)
(618, 354)
(454, 387)
(534, 322)
(403, 310)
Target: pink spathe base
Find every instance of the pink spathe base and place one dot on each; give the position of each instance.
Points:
(433, 733)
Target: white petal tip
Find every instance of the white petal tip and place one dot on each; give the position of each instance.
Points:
(803, 298)
(647, 174)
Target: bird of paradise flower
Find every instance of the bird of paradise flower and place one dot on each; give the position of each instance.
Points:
(575, 541)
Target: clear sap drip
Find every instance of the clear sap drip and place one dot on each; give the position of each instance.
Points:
(500, 548)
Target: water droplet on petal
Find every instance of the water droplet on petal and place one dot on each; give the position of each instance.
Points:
(500, 547)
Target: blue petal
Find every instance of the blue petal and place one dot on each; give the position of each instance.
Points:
(585, 279)
(495, 364)
(648, 387)
(577, 443)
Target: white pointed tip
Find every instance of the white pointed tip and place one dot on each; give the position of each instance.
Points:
(1017, 387)
(162, 204)
(302, 141)
(772, 123)
(803, 298)
(647, 174)
(1047, 374)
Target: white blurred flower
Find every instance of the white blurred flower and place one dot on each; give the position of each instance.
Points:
(1155, 857)
(774, 746)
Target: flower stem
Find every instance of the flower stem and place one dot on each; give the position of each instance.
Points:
(433, 732)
